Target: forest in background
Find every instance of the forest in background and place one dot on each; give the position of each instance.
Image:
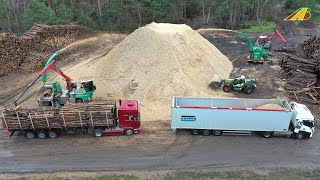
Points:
(17, 16)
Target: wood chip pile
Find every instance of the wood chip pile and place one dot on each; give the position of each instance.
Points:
(70, 115)
(32, 49)
(159, 61)
(271, 106)
(301, 72)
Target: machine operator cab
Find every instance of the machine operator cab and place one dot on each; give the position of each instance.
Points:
(129, 116)
(302, 119)
(84, 93)
(239, 80)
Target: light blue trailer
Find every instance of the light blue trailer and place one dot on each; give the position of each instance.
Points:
(213, 115)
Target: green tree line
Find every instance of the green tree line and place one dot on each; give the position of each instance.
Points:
(17, 16)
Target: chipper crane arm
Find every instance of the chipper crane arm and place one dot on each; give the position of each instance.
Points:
(49, 65)
(262, 39)
(249, 40)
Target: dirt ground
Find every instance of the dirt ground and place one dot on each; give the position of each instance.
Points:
(270, 76)
(157, 148)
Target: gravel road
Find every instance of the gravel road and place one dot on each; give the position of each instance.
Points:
(186, 152)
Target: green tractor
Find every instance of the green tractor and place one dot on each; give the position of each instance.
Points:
(257, 53)
(239, 83)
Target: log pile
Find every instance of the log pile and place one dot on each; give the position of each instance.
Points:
(301, 73)
(12, 52)
(16, 119)
(101, 113)
(311, 48)
(69, 116)
(73, 115)
(31, 50)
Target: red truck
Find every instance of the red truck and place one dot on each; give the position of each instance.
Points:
(98, 118)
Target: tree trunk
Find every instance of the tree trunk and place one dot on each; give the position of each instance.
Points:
(208, 18)
(139, 14)
(204, 17)
(99, 8)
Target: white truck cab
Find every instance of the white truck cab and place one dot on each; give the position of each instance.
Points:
(303, 121)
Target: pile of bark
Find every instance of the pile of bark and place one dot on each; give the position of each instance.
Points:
(301, 72)
(70, 115)
(32, 49)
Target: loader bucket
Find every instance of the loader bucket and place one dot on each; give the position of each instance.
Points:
(215, 85)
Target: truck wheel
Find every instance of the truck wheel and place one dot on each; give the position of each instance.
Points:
(128, 132)
(299, 135)
(30, 135)
(206, 132)
(52, 134)
(195, 132)
(41, 134)
(97, 133)
(267, 134)
(248, 90)
(217, 133)
(226, 88)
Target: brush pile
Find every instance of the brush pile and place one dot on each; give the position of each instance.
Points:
(30, 50)
(301, 73)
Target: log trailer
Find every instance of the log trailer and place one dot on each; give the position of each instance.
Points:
(103, 118)
(241, 116)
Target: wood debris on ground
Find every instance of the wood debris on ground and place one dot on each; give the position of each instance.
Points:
(301, 72)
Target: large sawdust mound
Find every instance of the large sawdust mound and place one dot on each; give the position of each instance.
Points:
(155, 63)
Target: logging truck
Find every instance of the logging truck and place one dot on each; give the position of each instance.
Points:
(241, 116)
(98, 118)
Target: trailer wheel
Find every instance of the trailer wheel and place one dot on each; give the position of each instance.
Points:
(206, 132)
(52, 134)
(30, 135)
(128, 132)
(217, 132)
(97, 133)
(299, 135)
(267, 134)
(41, 134)
(194, 131)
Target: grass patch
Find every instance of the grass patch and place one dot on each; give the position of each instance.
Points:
(264, 26)
(104, 177)
(239, 175)
(286, 174)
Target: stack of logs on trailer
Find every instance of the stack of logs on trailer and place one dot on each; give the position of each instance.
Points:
(301, 73)
(82, 116)
(30, 50)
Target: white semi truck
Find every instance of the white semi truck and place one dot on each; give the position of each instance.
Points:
(236, 115)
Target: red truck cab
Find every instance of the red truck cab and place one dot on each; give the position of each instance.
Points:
(128, 122)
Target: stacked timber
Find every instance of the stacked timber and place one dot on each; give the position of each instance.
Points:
(13, 50)
(44, 118)
(31, 50)
(73, 115)
(311, 48)
(101, 113)
(12, 119)
(301, 73)
(69, 116)
(291, 62)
